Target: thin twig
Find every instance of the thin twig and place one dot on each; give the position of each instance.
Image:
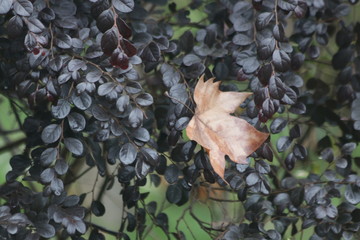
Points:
(113, 233)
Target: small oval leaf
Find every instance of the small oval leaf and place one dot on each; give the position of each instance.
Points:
(74, 145)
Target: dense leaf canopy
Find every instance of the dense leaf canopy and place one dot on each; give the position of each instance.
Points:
(105, 88)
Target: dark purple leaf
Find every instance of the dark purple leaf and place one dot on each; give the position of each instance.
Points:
(263, 19)
(70, 22)
(276, 88)
(299, 151)
(186, 41)
(266, 48)
(93, 76)
(61, 167)
(123, 28)
(82, 101)
(63, 41)
(260, 95)
(105, 20)
(252, 179)
(163, 221)
(151, 156)
(290, 161)
(242, 39)
(262, 167)
(30, 42)
(290, 96)
(278, 125)
(133, 87)
(124, 6)
(122, 103)
(119, 59)
(142, 135)
(288, 5)
(20, 163)
(352, 194)
(142, 168)
(282, 199)
(301, 9)
(297, 196)
(47, 175)
(281, 60)
(116, 129)
(264, 73)
(320, 212)
(126, 173)
(57, 186)
(127, 153)
(151, 53)
(327, 154)
(248, 60)
(74, 145)
(61, 109)
(163, 43)
(35, 25)
(313, 52)
(47, 14)
(331, 211)
(194, 70)
(232, 232)
(190, 59)
(76, 64)
(342, 58)
(94, 51)
(99, 6)
(178, 93)
(268, 107)
(173, 193)
(242, 25)
(267, 152)
(129, 49)
(51, 133)
(297, 61)
(5, 6)
(170, 75)
(348, 148)
(342, 10)
(97, 208)
(341, 163)
(279, 32)
(15, 27)
(171, 173)
(136, 118)
(45, 230)
(23, 7)
(144, 99)
(298, 108)
(63, 78)
(221, 70)
(56, 65)
(110, 41)
(48, 156)
(283, 143)
(209, 39)
(181, 123)
(295, 131)
(107, 88)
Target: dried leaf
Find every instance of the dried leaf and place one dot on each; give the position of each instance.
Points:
(217, 131)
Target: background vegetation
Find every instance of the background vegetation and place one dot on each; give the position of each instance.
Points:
(95, 97)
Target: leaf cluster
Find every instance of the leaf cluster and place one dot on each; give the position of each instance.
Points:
(108, 84)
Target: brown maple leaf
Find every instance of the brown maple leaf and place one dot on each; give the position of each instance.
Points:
(217, 131)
